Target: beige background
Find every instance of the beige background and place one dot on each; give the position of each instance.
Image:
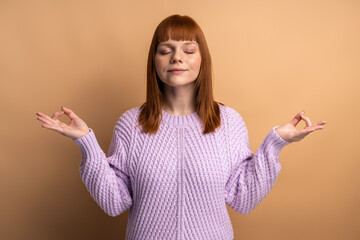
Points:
(271, 60)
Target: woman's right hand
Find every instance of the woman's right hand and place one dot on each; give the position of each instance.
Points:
(76, 129)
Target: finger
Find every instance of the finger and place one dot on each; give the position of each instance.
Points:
(57, 114)
(304, 132)
(300, 134)
(42, 115)
(319, 125)
(49, 119)
(51, 127)
(46, 120)
(296, 119)
(307, 120)
(314, 128)
(69, 112)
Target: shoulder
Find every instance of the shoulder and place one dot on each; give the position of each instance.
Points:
(230, 115)
(128, 119)
(131, 113)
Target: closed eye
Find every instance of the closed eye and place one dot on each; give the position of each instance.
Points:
(188, 52)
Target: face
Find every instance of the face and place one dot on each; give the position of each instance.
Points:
(177, 62)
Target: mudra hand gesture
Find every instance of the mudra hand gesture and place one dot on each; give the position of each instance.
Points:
(76, 128)
(289, 133)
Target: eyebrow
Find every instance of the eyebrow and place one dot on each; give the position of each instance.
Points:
(169, 44)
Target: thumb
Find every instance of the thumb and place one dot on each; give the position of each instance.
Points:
(296, 119)
(69, 112)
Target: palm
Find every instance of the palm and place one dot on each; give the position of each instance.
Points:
(74, 124)
(289, 133)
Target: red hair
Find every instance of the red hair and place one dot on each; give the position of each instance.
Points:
(179, 28)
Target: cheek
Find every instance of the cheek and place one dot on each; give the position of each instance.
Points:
(159, 63)
(196, 62)
(156, 61)
(199, 62)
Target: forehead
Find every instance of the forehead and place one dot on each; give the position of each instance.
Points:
(176, 42)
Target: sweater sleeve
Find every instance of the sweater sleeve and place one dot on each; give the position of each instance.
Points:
(252, 175)
(107, 178)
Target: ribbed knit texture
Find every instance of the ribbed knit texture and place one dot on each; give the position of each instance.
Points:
(177, 183)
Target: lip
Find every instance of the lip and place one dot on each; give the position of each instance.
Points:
(176, 69)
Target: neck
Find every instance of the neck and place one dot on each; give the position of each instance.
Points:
(179, 101)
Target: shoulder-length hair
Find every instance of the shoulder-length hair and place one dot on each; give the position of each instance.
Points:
(176, 27)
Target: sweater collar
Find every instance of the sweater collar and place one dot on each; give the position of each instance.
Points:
(190, 119)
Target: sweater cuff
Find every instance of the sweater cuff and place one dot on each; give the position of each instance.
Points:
(89, 145)
(277, 142)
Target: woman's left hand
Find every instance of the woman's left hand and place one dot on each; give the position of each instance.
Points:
(289, 133)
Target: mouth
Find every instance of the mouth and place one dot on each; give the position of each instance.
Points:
(177, 70)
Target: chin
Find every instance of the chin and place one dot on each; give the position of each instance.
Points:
(179, 83)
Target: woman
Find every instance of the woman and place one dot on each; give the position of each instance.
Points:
(179, 157)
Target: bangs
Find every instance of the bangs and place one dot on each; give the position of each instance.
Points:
(178, 29)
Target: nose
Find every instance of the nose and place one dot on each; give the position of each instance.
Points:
(176, 57)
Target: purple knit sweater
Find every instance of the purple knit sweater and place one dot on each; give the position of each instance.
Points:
(176, 182)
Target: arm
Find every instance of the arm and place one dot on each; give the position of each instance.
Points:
(252, 175)
(107, 178)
